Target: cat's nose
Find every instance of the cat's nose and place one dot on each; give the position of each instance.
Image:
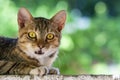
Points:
(41, 46)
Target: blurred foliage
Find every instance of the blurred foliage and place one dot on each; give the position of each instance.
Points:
(90, 42)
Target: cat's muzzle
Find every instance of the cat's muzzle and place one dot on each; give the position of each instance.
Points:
(39, 52)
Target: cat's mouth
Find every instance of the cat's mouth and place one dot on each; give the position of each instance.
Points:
(39, 52)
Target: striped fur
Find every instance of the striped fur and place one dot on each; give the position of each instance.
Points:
(26, 55)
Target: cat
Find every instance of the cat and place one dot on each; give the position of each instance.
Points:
(36, 47)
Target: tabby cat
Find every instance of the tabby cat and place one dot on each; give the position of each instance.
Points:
(36, 47)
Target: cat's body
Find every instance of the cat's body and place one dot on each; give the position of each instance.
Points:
(36, 47)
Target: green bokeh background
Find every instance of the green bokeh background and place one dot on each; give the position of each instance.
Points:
(90, 42)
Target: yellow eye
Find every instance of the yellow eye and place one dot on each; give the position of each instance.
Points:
(32, 34)
(50, 36)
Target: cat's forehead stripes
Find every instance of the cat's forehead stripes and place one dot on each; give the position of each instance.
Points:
(42, 24)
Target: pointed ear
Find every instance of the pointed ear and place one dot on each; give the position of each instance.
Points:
(23, 16)
(59, 19)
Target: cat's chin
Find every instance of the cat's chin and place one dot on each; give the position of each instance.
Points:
(46, 53)
(41, 54)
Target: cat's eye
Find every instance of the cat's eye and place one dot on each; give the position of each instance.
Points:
(50, 36)
(32, 35)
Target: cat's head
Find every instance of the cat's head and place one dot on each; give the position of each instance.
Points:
(39, 36)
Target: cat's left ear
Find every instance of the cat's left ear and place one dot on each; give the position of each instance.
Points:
(59, 19)
(23, 16)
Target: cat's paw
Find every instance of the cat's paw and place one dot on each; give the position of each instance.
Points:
(40, 71)
(54, 71)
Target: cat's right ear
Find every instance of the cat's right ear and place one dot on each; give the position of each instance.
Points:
(23, 16)
(59, 19)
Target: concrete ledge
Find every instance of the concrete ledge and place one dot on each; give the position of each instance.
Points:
(60, 77)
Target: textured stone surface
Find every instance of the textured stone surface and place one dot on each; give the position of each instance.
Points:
(60, 77)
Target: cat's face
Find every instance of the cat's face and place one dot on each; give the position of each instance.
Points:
(39, 37)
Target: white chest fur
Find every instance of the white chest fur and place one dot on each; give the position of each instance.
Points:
(47, 61)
